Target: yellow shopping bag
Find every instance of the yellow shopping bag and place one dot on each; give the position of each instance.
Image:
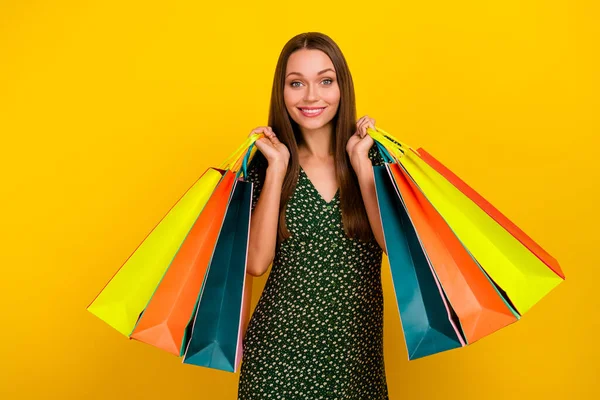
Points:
(512, 266)
(126, 295)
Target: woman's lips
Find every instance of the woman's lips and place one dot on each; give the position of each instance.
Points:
(312, 112)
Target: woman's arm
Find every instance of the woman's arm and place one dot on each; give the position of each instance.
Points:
(264, 221)
(366, 181)
(265, 201)
(363, 156)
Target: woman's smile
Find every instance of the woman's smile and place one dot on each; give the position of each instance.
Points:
(311, 112)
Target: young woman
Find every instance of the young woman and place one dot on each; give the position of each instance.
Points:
(317, 330)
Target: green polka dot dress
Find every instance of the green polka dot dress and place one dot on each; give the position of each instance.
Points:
(317, 330)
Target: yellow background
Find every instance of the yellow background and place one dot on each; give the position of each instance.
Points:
(110, 110)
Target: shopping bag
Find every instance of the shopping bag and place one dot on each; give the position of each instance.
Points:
(222, 311)
(126, 295)
(521, 277)
(164, 321)
(479, 306)
(428, 322)
(492, 211)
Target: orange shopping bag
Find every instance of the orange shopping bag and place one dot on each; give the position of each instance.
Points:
(168, 316)
(164, 321)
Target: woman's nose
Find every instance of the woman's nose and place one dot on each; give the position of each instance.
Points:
(312, 93)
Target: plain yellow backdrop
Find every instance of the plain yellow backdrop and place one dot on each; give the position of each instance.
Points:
(110, 110)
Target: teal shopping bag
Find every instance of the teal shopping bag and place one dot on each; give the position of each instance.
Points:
(428, 322)
(216, 333)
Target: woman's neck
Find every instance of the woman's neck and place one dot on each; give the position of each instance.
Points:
(317, 142)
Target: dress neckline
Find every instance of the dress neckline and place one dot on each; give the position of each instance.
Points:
(335, 196)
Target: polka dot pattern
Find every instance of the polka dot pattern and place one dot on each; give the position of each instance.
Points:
(317, 330)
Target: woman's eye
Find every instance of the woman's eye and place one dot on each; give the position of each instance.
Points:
(327, 79)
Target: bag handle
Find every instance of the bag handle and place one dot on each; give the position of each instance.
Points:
(394, 148)
(389, 138)
(239, 159)
(249, 154)
(387, 158)
(390, 148)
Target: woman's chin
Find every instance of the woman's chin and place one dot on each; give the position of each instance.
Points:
(314, 124)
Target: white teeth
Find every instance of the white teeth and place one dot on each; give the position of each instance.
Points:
(312, 111)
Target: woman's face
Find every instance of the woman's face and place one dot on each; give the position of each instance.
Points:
(311, 82)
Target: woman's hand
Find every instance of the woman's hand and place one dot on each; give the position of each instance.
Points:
(359, 144)
(276, 153)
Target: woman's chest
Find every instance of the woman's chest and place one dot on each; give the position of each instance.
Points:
(307, 213)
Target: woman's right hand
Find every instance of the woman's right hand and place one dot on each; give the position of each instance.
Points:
(276, 153)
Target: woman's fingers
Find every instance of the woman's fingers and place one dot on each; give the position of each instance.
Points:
(370, 124)
(266, 130)
(270, 139)
(363, 128)
(364, 123)
(274, 138)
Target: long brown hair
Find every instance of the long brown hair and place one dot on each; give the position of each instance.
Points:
(354, 215)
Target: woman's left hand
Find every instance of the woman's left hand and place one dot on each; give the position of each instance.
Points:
(359, 144)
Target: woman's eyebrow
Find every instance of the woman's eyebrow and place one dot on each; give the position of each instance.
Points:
(319, 73)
